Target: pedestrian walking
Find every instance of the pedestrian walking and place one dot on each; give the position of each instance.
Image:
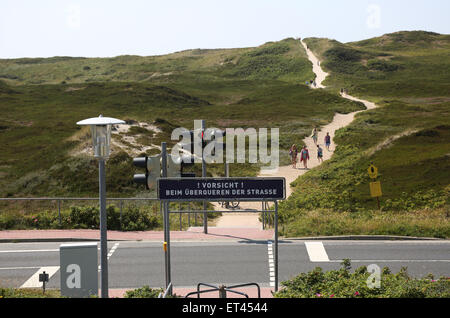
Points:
(319, 154)
(314, 135)
(328, 141)
(293, 152)
(304, 156)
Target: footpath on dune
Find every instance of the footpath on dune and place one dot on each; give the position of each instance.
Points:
(251, 220)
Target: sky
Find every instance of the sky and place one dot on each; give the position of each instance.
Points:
(107, 28)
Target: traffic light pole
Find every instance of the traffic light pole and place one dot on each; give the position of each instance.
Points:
(205, 215)
(166, 218)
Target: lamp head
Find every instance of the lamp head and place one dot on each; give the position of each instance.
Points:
(101, 134)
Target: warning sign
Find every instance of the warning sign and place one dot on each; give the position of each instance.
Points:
(220, 189)
(373, 172)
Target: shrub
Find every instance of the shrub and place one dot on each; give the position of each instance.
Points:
(28, 293)
(143, 292)
(87, 217)
(383, 66)
(342, 283)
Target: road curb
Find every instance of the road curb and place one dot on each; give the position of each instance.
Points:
(313, 238)
(39, 240)
(364, 238)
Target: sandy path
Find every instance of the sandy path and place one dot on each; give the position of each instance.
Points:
(250, 220)
(320, 74)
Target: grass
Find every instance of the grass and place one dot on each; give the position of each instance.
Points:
(28, 293)
(283, 60)
(405, 73)
(396, 65)
(40, 119)
(327, 222)
(406, 137)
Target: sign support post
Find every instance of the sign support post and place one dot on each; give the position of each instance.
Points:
(165, 206)
(205, 215)
(276, 245)
(218, 190)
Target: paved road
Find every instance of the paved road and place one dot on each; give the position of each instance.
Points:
(135, 264)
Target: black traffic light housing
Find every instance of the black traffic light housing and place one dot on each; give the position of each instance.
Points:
(152, 166)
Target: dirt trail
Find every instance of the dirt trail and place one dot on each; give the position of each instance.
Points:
(250, 220)
(320, 74)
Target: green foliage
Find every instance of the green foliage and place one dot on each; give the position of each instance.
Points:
(343, 283)
(48, 115)
(133, 219)
(402, 64)
(296, 222)
(143, 292)
(28, 293)
(406, 138)
(271, 49)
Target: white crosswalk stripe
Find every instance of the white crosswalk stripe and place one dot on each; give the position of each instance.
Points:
(33, 281)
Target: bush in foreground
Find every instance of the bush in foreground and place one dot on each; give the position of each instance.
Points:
(145, 292)
(28, 293)
(344, 284)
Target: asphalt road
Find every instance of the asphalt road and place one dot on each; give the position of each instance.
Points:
(135, 264)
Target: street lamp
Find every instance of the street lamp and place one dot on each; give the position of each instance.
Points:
(101, 138)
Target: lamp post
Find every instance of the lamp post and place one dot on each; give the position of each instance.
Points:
(101, 138)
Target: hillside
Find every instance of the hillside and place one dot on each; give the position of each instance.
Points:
(407, 137)
(283, 60)
(402, 64)
(251, 87)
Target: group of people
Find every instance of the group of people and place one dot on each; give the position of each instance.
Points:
(311, 82)
(304, 152)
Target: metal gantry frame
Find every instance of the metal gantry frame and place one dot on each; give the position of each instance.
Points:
(167, 212)
(222, 289)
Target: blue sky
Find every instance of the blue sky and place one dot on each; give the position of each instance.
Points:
(103, 28)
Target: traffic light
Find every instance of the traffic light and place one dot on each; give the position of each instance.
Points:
(152, 167)
(173, 166)
(176, 164)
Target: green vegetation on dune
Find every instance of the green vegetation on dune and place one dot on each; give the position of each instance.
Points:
(227, 88)
(412, 158)
(406, 137)
(402, 64)
(283, 60)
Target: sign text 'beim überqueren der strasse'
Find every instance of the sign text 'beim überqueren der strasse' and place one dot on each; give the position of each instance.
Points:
(221, 189)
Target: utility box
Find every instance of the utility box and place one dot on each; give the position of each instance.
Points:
(79, 269)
